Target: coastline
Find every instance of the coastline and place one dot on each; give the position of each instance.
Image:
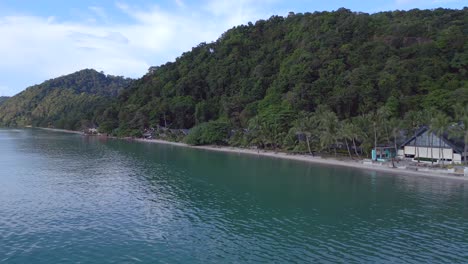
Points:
(309, 159)
(302, 158)
(60, 130)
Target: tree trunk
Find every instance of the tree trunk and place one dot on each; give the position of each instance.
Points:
(466, 150)
(386, 133)
(396, 149)
(355, 148)
(375, 140)
(443, 158)
(427, 149)
(347, 146)
(440, 149)
(308, 145)
(336, 144)
(432, 147)
(466, 145)
(416, 149)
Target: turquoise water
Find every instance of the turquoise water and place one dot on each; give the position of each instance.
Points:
(65, 198)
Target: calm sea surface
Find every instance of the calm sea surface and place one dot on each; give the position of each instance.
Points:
(65, 198)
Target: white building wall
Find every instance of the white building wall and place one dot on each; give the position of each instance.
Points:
(409, 150)
(401, 153)
(425, 152)
(448, 154)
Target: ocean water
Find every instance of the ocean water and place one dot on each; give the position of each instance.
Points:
(65, 198)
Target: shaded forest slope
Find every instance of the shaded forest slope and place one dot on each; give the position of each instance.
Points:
(69, 101)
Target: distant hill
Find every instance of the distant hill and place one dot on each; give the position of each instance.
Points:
(3, 99)
(68, 102)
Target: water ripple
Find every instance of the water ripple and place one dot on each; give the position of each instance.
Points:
(69, 199)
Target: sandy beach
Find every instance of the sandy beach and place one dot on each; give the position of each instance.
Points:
(305, 158)
(358, 164)
(60, 130)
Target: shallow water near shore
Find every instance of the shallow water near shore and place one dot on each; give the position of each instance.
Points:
(66, 198)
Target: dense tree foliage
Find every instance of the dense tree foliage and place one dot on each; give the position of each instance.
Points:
(323, 81)
(210, 133)
(70, 102)
(3, 99)
(266, 77)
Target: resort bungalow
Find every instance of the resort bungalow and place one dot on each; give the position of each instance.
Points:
(91, 131)
(383, 153)
(427, 146)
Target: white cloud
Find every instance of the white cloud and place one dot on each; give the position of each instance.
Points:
(404, 2)
(52, 48)
(33, 48)
(426, 3)
(4, 90)
(449, 1)
(240, 11)
(180, 3)
(41, 48)
(99, 12)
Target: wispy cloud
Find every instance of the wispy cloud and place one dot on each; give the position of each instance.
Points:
(180, 3)
(449, 1)
(99, 12)
(404, 2)
(426, 3)
(4, 90)
(150, 35)
(54, 48)
(127, 38)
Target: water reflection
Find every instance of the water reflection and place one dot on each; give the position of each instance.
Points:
(72, 198)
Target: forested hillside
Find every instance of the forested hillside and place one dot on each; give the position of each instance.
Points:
(3, 99)
(306, 82)
(69, 101)
(276, 76)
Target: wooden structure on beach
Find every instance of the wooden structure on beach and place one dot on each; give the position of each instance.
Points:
(426, 146)
(383, 153)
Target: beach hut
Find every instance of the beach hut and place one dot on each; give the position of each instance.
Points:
(383, 153)
(426, 146)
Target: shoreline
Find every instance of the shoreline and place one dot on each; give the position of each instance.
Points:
(356, 164)
(59, 130)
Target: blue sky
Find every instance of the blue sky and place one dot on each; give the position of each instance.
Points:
(49, 38)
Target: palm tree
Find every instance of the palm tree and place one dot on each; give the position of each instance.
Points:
(431, 132)
(461, 114)
(328, 126)
(383, 114)
(375, 120)
(430, 115)
(414, 120)
(256, 127)
(440, 123)
(346, 132)
(310, 128)
(395, 127)
(362, 133)
(306, 124)
(355, 132)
